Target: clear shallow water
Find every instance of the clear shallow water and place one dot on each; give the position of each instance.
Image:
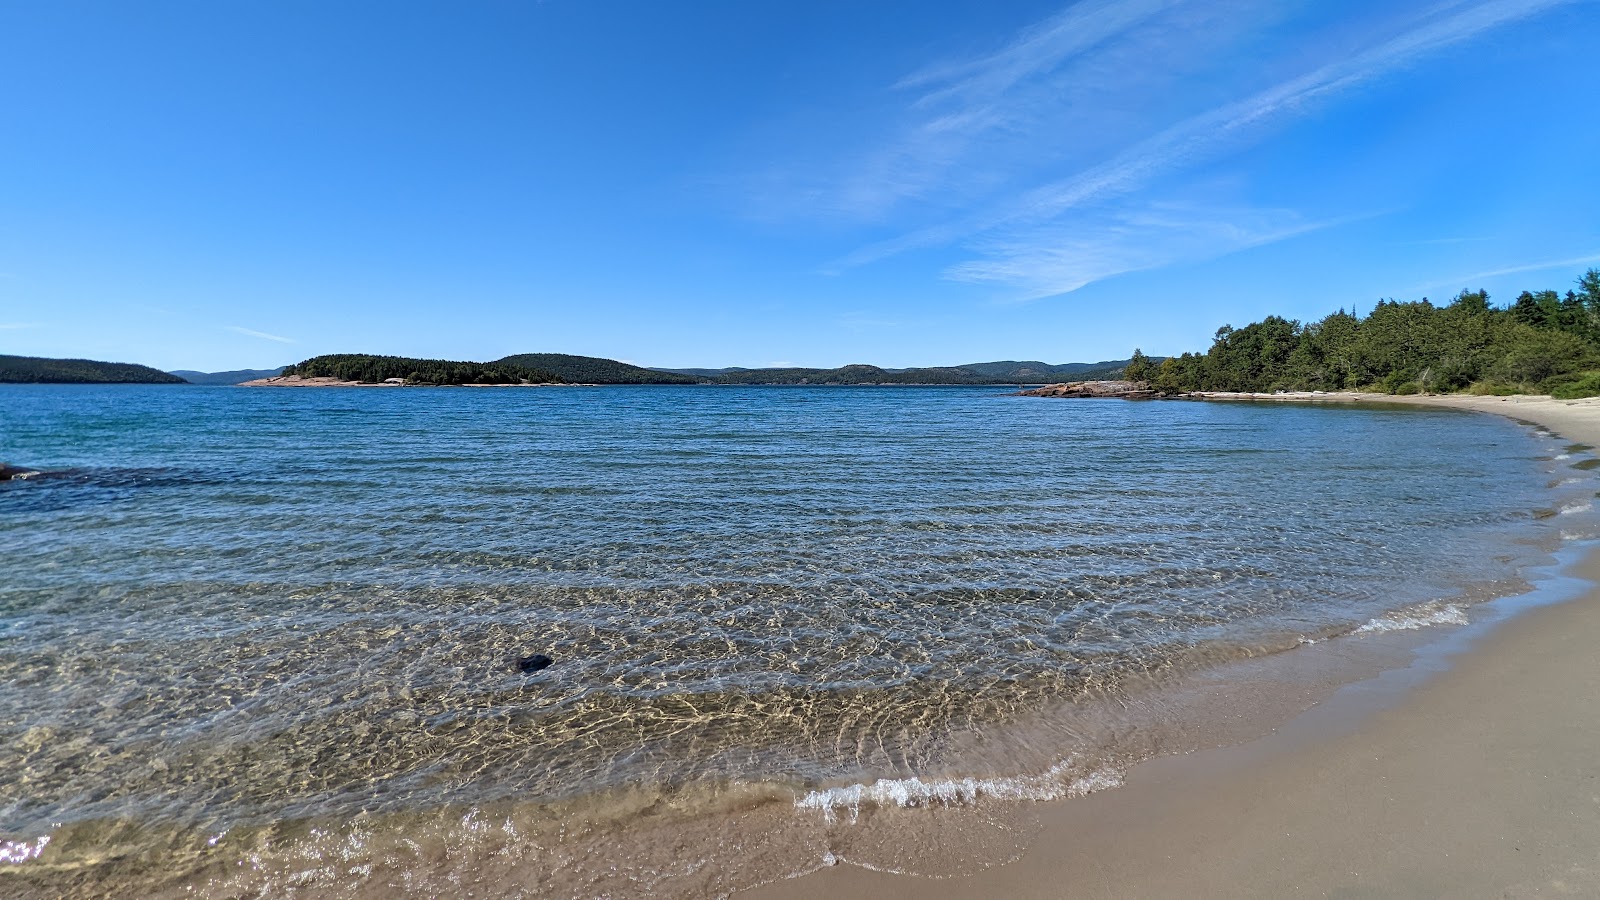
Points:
(246, 620)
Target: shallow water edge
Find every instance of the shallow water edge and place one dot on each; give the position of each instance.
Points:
(951, 801)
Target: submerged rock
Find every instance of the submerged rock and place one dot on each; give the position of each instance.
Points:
(1125, 390)
(531, 664)
(8, 472)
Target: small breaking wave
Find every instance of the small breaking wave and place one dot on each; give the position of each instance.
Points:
(1424, 615)
(15, 853)
(1056, 783)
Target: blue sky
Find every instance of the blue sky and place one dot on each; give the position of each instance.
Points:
(243, 184)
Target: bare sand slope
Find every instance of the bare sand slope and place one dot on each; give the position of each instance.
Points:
(1480, 781)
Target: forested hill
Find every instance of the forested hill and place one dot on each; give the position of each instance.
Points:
(377, 369)
(533, 367)
(853, 374)
(973, 373)
(37, 370)
(594, 369)
(1543, 342)
(1009, 371)
(237, 376)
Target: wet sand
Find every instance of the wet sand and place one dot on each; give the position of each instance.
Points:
(1476, 778)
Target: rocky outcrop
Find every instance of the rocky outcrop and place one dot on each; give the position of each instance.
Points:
(1122, 390)
(8, 472)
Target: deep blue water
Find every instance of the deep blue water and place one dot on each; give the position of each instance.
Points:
(242, 607)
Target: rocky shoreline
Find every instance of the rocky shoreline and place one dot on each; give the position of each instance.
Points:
(1110, 390)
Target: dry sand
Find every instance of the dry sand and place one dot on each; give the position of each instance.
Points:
(1480, 780)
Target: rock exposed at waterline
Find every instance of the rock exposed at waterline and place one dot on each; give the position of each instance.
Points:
(1123, 390)
(8, 472)
(530, 664)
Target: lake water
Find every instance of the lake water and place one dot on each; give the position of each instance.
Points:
(266, 641)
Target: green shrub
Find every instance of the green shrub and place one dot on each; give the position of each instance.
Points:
(1571, 387)
(1407, 389)
(1447, 376)
(1393, 383)
(1491, 389)
(1535, 356)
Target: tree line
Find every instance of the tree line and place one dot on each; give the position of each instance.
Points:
(593, 369)
(1542, 342)
(39, 370)
(378, 369)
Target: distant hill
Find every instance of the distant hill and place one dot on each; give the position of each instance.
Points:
(38, 370)
(1032, 370)
(237, 376)
(1006, 372)
(595, 370)
(858, 373)
(699, 373)
(377, 369)
(598, 370)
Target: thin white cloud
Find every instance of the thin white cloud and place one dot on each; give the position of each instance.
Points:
(969, 124)
(1065, 232)
(15, 326)
(250, 332)
(1465, 280)
(1425, 242)
(1193, 138)
(1060, 259)
(1203, 136)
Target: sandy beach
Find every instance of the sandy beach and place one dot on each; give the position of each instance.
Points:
(1468, 774)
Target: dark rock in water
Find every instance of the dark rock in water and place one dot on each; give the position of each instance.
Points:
(8, 472)
(530, 664)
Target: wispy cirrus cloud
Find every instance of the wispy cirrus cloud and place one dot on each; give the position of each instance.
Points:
(968, 126)
(1059, 259)
(250, 332)
(981, 107)
(1043, 159)
(17, 326)
(1466, 281)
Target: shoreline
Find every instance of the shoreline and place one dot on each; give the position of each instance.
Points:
(322, 382)
(752, 832)
(1465, 771)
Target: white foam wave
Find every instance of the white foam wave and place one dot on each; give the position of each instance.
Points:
(15, 853)
(1424, 615)
(1056, 783)
(1572, 508)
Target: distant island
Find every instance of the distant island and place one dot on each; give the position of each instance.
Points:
(1541, 342)
(38, 370)
(562, 368)
(365, 369)
(235, 376)
(1004, 372)
(543, 368)
(593, 369)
